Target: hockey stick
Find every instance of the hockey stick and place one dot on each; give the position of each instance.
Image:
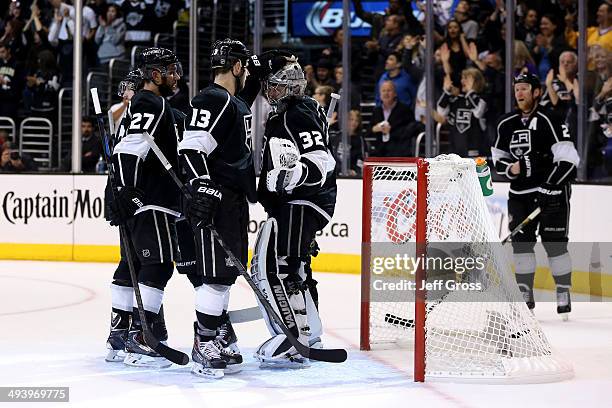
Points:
(249, 314)
(171, 354)
(327, 355)
(522, 225)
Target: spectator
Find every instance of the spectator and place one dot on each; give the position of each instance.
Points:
(527, 30)
(462, 15)
(465, 114)
(404, 85)
(166, 13)
(454, 52)
(42, 87)
(14, 38)
(599, 163)
(599, 35)
(495, 91)
(357, 144)
(562, 90)
(420, 109)
(322, 94)
(11, 83)
(394, 125)
(354, 84)
(523, 61)
(110, 35)
(4, 137)
(376, 20)
(549, 45)
(139, 19)
(387, 43)
(37, 39)
(13, 162)
(90, 145)
(322, 76)
(62, 31)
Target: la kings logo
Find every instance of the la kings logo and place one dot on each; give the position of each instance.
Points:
(520, 143)
(248, 130)
(463, 120)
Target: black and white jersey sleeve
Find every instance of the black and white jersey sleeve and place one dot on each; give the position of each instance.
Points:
(205, 126)
(564, 154)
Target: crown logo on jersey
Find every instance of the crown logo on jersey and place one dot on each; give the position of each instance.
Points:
(146, 253)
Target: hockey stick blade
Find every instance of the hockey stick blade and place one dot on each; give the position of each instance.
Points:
(171, 354)
(327, 355)
(249, 314)
(399, 321)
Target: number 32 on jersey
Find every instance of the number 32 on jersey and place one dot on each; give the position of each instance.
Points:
(310, 139)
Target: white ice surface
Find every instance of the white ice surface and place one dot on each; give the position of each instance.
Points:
(54, 322)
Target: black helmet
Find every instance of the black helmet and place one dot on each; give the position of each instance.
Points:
(225, 52)
(156, 58)
(528, 78)
(132, 81)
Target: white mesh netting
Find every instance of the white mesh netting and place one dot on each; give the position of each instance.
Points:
(486, 334)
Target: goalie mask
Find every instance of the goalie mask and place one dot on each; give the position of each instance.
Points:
(287, 82)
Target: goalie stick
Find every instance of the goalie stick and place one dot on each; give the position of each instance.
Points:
(171, 354)
(327, 355)
(522, 225)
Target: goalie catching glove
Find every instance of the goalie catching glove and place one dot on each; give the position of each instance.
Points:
(205, 199)
(287, 172)
(126, 202)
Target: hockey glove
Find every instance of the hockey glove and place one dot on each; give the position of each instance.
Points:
(206, 197)
(526, 164)
(284, 179)
(550, 197)
(127, 201)
(260, 66)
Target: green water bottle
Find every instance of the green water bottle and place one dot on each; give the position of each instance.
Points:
(484, 176)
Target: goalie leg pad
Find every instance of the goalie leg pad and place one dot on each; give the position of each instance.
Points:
(282, 281)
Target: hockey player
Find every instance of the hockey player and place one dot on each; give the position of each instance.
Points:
(147, 200)
(297, 188)
(217, 165)
(122, 292)
(534, 149)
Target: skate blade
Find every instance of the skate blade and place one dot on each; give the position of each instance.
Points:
(233, 369)
(565, 317)
(140, 360)
(115, 356)
(206, 372)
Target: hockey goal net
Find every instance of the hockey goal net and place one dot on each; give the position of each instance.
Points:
(473, 326)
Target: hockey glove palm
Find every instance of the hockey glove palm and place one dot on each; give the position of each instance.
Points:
(127, 201)
(550, 197)
(260, 66)
(206, 197)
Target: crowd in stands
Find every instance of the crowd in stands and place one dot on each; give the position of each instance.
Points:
(36, 47)
(469, 51)
(470, 73)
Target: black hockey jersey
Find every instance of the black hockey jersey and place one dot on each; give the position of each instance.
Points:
(134, 163)
(465, 114)
(304, 123)
(217, 141)
(139, 19)
(566, 106)
(545, 142)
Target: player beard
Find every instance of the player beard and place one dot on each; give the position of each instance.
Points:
(165, 90)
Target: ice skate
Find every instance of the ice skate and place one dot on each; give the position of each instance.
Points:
(117, 338)
(139, 354)
(206, 356)
(564, 304)
(230, 353)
